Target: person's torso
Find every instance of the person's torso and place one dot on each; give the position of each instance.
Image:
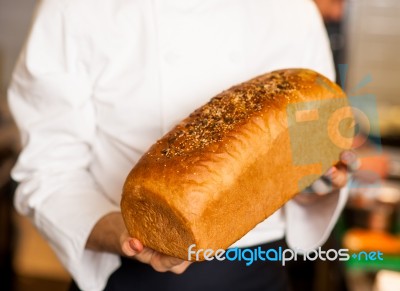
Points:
(154, 62)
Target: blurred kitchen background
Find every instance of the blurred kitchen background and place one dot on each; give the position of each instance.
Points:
(365, 35)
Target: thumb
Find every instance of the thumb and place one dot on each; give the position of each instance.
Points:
(130, 246)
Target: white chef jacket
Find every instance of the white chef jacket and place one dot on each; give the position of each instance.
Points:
(98, 81)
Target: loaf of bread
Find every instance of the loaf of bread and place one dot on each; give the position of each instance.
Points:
(235, 161)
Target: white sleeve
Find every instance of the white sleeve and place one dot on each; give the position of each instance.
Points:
(309, 226)
(50, 98)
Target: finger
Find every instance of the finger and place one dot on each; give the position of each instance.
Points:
(179, 269)
(163, 263)
(339, 178)
(126, 249)
(334, 178)
(349, 158)
(136, 245)
(130, 246)
(145, 256)
(321, 186)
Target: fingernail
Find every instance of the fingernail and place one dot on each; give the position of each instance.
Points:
(133, 245)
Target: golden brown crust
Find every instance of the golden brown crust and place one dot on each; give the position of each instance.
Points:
(230, 164)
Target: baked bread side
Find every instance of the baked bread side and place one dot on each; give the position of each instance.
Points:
(235, 161)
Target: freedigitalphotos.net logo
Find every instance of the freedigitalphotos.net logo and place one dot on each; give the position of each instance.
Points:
(250, 255)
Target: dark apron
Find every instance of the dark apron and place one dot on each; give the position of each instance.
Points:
(209, 276)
